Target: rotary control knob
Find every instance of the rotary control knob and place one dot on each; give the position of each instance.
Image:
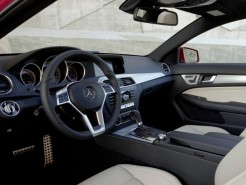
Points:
(9, 108)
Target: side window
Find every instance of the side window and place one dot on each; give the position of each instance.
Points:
(224, 44)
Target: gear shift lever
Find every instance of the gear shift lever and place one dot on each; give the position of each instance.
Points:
(135, 114)
(144, 132)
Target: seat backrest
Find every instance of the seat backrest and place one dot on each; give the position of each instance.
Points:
(232, 168)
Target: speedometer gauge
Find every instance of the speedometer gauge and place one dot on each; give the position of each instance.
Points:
(60, 72)
(30, 74)
(72, 74)
(28, 77)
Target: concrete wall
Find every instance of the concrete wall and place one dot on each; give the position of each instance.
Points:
(99, 25)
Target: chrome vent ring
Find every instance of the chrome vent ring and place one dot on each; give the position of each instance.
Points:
(6, 84)
(9, 108)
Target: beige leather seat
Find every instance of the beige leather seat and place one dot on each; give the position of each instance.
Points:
(230, 171)
(202, 130)
(125, 174)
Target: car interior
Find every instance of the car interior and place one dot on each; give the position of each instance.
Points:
(72, 116)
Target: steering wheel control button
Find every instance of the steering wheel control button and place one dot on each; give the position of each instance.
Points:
(62, 96)
(9, 108)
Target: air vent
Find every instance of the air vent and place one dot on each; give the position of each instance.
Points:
(5, 84)
(126, 81)
(166, 68)
(111, 99)
(122, 82)
(132, 94)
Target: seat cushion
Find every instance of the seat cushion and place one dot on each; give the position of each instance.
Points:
(125, 174)
(243, 134)
(202, 130)
(232, 169)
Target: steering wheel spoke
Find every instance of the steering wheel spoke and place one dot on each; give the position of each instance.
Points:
(100, 128)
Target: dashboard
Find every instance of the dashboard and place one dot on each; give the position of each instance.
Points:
(21, 76)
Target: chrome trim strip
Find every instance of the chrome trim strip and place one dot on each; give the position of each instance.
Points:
(229, 79)
(137, 77)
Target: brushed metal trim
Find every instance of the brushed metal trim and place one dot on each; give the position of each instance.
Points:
(137, 77)
(229, 79)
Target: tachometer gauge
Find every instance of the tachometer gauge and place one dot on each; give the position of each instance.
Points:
(57, 76)
(76, 71)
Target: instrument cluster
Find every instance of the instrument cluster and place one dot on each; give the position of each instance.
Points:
(31, 73)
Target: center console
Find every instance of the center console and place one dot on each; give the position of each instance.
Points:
(191, 157)
(216, 143)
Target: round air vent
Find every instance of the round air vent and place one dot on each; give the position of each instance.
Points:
(10, 108)
(166, 68)
(5, 84)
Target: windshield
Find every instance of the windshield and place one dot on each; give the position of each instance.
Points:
(90, 25)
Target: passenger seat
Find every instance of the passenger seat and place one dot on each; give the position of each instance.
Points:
(202, 130)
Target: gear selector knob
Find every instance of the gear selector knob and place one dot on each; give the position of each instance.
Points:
(135, 114)
(162, 136)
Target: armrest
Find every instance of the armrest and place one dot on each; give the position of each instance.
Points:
(214, 143)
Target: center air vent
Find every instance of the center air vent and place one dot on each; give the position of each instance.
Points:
(123, 82)
(5, 84)
(126, 81)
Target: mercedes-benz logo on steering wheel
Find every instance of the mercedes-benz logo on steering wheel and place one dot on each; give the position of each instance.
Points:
(90, 93)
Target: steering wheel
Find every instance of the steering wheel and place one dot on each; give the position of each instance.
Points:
(86, 97)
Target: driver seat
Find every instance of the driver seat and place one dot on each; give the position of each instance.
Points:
(230, 171)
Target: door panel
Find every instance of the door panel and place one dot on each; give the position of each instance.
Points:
(205, 97)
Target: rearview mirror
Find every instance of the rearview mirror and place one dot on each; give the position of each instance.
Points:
(155, 16)
(188, 55)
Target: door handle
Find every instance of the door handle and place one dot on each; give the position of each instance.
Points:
(208, 78)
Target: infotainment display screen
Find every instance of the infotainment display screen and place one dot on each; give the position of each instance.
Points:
(115, 63)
